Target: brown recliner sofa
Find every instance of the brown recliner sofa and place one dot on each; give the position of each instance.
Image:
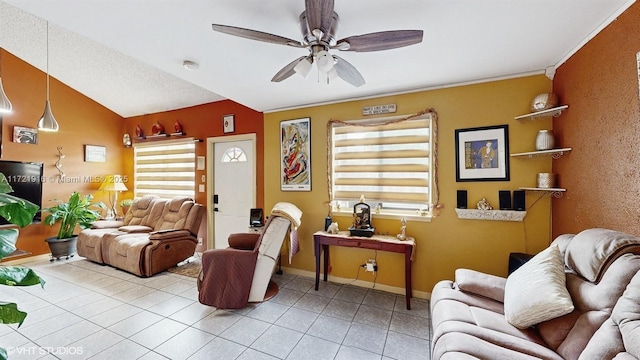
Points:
(154, 235)
(472, 318)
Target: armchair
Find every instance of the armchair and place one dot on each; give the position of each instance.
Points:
(232, 277)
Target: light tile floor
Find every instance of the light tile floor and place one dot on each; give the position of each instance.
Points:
(92, 311)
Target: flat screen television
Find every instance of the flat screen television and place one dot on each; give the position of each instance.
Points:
(26, 180)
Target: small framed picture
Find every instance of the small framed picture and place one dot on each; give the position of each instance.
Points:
(228, 124)
(482, 154)
(95, 153)
(25, 135)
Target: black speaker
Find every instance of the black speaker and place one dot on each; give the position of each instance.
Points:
(327, 222)
(505, 199)
(518, 200)
(462, 199)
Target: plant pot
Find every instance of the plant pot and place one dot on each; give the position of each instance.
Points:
(62, 247)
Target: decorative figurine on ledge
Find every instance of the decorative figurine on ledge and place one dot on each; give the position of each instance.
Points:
(484, 205)
(403, 230)
(139, 132)
(157, 129)
(177, 127)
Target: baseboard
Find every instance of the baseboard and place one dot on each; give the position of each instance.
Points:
(361, 283)
(27, 259)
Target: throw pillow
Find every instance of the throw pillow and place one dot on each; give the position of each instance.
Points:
(537, 291)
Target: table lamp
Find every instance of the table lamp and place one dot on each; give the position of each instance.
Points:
(112, 184)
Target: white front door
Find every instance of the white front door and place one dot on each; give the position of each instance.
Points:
(233, 188)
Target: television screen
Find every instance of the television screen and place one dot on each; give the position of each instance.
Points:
(26, 180)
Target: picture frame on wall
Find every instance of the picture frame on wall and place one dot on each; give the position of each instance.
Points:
(482, 153)
(95, 153)
(228, 124)
(25, 135)
(295, 155)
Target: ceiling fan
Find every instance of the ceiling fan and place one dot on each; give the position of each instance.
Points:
(319, 24)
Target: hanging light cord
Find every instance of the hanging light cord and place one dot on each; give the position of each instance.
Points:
(47, 61)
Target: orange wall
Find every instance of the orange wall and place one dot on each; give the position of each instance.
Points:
(82, 121)
(602, 125)
(202, 122)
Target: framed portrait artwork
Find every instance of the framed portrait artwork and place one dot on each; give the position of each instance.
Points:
(482, 154)
(228, 124)
(295, 155)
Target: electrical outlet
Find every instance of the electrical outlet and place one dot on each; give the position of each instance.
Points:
(371, 265)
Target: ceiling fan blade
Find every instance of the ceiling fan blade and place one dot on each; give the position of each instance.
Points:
(383, 40)
(256, 35)
(348, 72)
(319, 14)
(288, 70)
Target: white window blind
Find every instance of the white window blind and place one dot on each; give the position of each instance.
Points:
(388, 162)
(165, 169)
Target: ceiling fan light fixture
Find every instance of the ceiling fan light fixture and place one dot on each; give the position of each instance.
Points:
(303, 67)
(324, 61)
(332, 74)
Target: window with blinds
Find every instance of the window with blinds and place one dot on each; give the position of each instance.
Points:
(165, 169)
(388, 162)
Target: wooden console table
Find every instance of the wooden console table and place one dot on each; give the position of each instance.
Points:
(322, 240)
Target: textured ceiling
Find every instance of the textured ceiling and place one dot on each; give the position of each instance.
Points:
(127, 54)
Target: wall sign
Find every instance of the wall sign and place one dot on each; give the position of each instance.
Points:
(95, 153)
(379, 109)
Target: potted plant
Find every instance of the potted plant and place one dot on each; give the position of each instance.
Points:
(19, 212)
(77, 211)
(125, 205)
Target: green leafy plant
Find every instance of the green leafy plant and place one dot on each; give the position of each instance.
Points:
(126, 202)
(77, 211)
(19, 212)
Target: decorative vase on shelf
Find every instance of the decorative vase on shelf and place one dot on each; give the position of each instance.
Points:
(545, 140)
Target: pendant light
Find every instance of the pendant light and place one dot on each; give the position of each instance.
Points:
(5, 104)
(47, 122)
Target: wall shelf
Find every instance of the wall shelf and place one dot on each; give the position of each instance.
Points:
(160, 137)
(497, 215)
(554, 153)
(555, 192)
(555, 112)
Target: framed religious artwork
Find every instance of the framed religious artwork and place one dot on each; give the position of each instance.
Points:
(295, 155)
(482, 153)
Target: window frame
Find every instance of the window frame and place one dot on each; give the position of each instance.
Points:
(424, 214)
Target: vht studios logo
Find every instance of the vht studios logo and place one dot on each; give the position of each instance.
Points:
(37, 350)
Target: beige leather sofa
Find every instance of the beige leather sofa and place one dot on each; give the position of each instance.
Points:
(155, 235)
(526, 316)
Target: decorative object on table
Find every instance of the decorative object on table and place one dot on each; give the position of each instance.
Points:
(126, 140)
(378, 208)
(544, 101)
(333, 228)
(157, 128)
(295, 155)
(177, 127)
(25, 135)
(113, 184)
(546, 180)
(95, 153)
(139, 132)
(77, 211)
(228, 124)
(545, 140)
(403, 230)
(482, 153)
(58, 164)
(484, 205)
(361, 221)
(327, 222)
